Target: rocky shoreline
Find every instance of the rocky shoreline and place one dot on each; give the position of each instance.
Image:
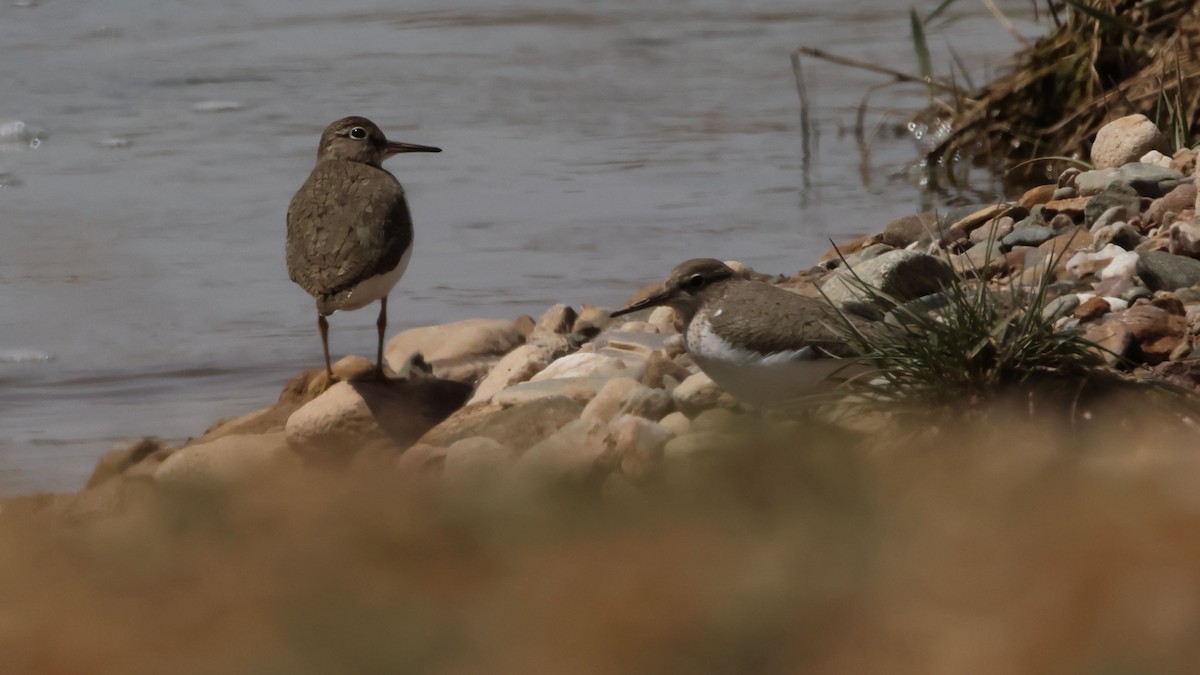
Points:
(577, 395)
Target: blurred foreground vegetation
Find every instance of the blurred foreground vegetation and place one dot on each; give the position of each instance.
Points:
(990, 545)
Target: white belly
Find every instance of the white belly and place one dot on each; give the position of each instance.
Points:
(378, 286)
(756, 378)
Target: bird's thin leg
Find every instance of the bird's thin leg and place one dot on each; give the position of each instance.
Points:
(381, 324)
(323, 324)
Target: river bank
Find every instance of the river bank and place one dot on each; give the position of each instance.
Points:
(572, 494)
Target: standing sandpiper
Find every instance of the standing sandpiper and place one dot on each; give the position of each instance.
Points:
(349, 232)
(761, 343)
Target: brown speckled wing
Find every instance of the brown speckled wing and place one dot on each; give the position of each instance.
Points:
(767, 319)
(347, 223)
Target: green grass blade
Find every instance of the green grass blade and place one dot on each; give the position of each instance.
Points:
(924, 63)
(938, 11)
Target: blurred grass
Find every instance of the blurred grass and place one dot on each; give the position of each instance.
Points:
(999, 547)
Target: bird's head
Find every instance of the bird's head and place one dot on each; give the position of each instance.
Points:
(357, 139)
(688, 285)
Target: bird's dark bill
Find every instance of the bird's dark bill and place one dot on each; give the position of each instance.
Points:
(396, 147)
(655, 300)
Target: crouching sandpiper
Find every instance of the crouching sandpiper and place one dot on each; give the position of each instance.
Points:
(759, 342)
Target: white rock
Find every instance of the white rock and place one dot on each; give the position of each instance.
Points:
(635, 327)
(577, 451)
(558, 319)
(638, 444)
(739, 268)
(226, 461)
(677, 423)
(519, 365)
(674, 346)
(663, 318)
(1185, 238)
(477, 460)
(335, 422)
(697, 392)
(352, 417)
(625, 395)
(714, 420)
(1156, 158)
(583, 364)
(611, 397)
(1116, 304)
(1122, 266)
(458, 341)
(1126, 140)
(1084, 263)
(581, 389)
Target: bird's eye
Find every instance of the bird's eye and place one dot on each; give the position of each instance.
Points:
(695, 281)
(358, 132)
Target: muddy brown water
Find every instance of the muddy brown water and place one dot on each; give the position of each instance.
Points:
(588, 148)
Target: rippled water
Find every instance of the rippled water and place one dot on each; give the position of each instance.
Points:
(148, 151)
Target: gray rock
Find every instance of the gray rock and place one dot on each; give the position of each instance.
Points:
(1162, 271)
(908, 230)
(1135, 293)
(1149, 180)
(1096, 181)
(1060, 307)
(1036, 218)
(1064, 193)
(1116, 215)
(1125, 140)
(1122, 234)
(1028, 236)
(984, 259)
(1000, 228)
(909, 311)
(957, 213)
(900, 274)
(1117, 195)
(865, 254)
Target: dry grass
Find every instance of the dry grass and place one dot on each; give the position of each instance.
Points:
(1012, 547)
(1119, 57)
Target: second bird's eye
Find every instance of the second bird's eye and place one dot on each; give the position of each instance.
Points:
(358, 132)
(696, 281)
